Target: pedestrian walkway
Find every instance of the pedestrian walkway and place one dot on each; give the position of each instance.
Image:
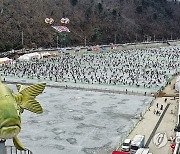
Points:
(161, 123)
(156, 127)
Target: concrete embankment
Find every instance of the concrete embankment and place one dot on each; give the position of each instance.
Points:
(85, 88)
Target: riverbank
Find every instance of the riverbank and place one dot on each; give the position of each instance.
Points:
(116, 89)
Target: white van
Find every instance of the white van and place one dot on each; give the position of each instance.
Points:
(137, 142)
(126, 145)
(142, 151)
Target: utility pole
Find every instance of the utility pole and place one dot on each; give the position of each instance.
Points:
(115, 38)
(154, 37)
(85, 41)
(136, 37)
(22, 39)
(57, 45)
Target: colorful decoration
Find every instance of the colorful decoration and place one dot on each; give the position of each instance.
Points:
(49, 21)
(61, 28)
(65, 20)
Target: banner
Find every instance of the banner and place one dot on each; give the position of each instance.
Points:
(61, 28)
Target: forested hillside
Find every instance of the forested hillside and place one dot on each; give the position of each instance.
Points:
(100, 21)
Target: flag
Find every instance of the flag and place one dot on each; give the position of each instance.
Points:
(61, 28)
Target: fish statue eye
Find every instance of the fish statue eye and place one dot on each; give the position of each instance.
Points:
(7, 96)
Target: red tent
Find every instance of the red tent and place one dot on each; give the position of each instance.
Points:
(120, 152)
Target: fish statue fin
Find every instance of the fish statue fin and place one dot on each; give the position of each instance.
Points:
(32, 90)
(32, 105)
(26, 97)
(18, 144)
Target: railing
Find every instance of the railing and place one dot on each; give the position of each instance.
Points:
(13, 150)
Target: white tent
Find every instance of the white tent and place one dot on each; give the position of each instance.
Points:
(5, 60)
(29, 56)
(45, 54)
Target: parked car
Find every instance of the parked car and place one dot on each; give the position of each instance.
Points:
(126, 145)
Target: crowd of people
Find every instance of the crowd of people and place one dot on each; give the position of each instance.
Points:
(148, 68)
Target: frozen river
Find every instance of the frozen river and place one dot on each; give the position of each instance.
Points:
(79, 122)
(87, 122)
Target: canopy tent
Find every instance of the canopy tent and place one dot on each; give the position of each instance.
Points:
(29, 56)
(45, 54)
(96, 48)
(5, 60)
(120, 152)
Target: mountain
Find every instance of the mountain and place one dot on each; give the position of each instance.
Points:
(99, 21)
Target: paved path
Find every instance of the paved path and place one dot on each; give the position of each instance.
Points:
(164, 124)
(156, 127)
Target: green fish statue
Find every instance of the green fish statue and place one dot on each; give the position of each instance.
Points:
(12, 106)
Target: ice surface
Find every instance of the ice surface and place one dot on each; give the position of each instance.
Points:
(79, 122)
